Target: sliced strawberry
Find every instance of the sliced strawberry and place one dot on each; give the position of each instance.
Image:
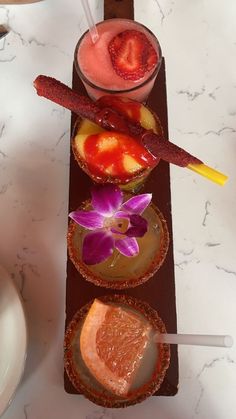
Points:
(132, 54)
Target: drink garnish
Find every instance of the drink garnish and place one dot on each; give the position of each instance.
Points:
(113, 341)
(132, 54)
(111, 120)
(112, 223)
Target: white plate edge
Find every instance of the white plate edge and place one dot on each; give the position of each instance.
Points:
(5, 273)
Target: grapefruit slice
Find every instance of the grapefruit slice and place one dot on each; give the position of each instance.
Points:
(112, 343)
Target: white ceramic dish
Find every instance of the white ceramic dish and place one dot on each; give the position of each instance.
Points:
(13, 341)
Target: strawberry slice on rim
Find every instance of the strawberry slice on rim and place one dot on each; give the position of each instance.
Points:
(132, 54)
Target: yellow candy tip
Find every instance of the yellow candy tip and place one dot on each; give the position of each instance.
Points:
(209, 173)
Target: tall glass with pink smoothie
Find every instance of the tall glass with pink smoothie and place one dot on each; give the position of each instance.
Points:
(125, 60)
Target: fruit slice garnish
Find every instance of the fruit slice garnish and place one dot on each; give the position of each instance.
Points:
(113, 341)
(132, 54)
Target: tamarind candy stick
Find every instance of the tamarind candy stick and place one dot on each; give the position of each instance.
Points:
(109, 119)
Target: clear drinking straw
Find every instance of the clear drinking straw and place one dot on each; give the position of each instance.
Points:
(201, 340)
(92, 27)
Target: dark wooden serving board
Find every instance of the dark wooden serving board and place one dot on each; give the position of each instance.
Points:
(159, 291)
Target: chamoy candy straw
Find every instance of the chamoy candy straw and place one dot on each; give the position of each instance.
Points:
(111, 120)
(209, 173)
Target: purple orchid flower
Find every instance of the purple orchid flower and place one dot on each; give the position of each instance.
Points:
(114, 224)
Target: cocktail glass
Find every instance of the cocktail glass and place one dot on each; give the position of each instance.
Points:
(119, 271)
(135, 179)
(152, 369)
(93, 65)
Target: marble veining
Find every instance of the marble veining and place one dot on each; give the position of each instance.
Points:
(26, 407)
(163, 10)
(191, 95)
(198, 43)
(204, 370)
(209, 244)
(100, 414)
(221, 268)
(207, 212)
(222, 131)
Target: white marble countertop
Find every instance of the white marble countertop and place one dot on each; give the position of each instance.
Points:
(198, 39)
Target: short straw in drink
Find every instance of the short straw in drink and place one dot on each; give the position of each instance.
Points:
(201, 340)
(92, 27)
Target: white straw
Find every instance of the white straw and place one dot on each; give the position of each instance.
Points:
(202, 340)
(92, 27)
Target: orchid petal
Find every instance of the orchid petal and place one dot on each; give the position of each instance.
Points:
(121, 214)
(97, 247)
(138, 226)
(106, 199)
(88, 219)
(137, 204)
(128, 246)
(115, 231)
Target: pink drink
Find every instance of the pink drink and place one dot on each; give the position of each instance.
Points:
(94, 66)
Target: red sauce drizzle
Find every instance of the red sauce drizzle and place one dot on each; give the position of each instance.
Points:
(100, 160)
(126, 107)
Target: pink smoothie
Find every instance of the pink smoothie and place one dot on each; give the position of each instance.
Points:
(94, 62)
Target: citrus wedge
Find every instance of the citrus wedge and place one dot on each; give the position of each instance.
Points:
(112, 343)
